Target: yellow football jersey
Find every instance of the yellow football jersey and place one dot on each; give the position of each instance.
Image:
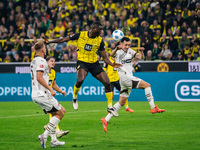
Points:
(52, 77)
(87, 47)
(111, 72)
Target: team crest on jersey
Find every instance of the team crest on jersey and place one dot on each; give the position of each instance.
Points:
(41, 66)
(88, 47)
(129, 52)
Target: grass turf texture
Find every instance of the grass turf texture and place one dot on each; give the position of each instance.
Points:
(177, 128)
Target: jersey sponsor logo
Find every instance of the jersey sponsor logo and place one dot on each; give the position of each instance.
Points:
(126, 61)
(163, 67)
(187, 90)
(88, 47)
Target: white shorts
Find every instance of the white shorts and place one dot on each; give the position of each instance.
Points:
(47, 103)
(126, 84)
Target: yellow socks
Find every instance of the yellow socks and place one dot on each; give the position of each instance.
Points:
(76, 90)
(109, 97)
(126, 104)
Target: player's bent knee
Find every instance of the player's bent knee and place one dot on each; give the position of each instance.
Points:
(107, 84)
(60, 113)
(122, 100)
(80, 81)
(63, 109)
(148, 85)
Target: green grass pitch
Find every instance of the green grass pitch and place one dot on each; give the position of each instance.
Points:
(176, 129)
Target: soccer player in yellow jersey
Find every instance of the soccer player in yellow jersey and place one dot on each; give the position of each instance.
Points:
(114, 80)
(52, 84)
(88, 43)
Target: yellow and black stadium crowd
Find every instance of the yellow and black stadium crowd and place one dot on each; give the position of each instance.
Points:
(167, 29)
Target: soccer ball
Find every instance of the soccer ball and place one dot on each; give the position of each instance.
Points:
(117, 35)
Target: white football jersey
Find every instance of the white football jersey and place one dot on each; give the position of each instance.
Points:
(39, 64)
(125, 58)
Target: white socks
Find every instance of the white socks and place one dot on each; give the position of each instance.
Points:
(149, 97)
(117, 107)
(51, 128)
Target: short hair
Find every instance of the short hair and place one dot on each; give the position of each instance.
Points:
(125, 39)
(50, 58)
(96, 24)
(39, 45)
(149, 51)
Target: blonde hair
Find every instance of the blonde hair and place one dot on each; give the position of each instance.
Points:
(39, 45)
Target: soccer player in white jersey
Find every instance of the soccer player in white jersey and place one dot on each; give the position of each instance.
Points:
(123, 54)
(52, 83)
(42, 95)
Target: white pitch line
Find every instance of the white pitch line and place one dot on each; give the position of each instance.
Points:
(20, 116)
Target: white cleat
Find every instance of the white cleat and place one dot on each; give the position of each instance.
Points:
(42, 140)
(61, 133)
(112, 111)
(57, 143)
(75, 103)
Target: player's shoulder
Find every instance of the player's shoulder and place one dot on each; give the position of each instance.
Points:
(83, 32)
(120, 51)
(39, 59)
(130, 50)
(53, 71)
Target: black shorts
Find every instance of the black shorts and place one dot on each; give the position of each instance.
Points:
(52, 110)
(93, 68)
(116, 85)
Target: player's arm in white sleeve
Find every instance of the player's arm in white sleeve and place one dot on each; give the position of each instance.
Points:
(105, 57)
(40, 71)
(141, 54)
(41, 80)
(115, 50)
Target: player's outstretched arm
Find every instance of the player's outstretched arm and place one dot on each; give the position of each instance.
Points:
(60, 40)
(141, 54)
(55, 87)
(41, 80)
(106, 59)
(115, 50)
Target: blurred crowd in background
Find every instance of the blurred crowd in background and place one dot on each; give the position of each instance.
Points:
(168, 29)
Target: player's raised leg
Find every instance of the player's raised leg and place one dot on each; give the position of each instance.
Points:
(109, 100)
(81, 74)
(147, 88)
(74, 100)
(103, 78)
(118, 87)
(117, 107)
